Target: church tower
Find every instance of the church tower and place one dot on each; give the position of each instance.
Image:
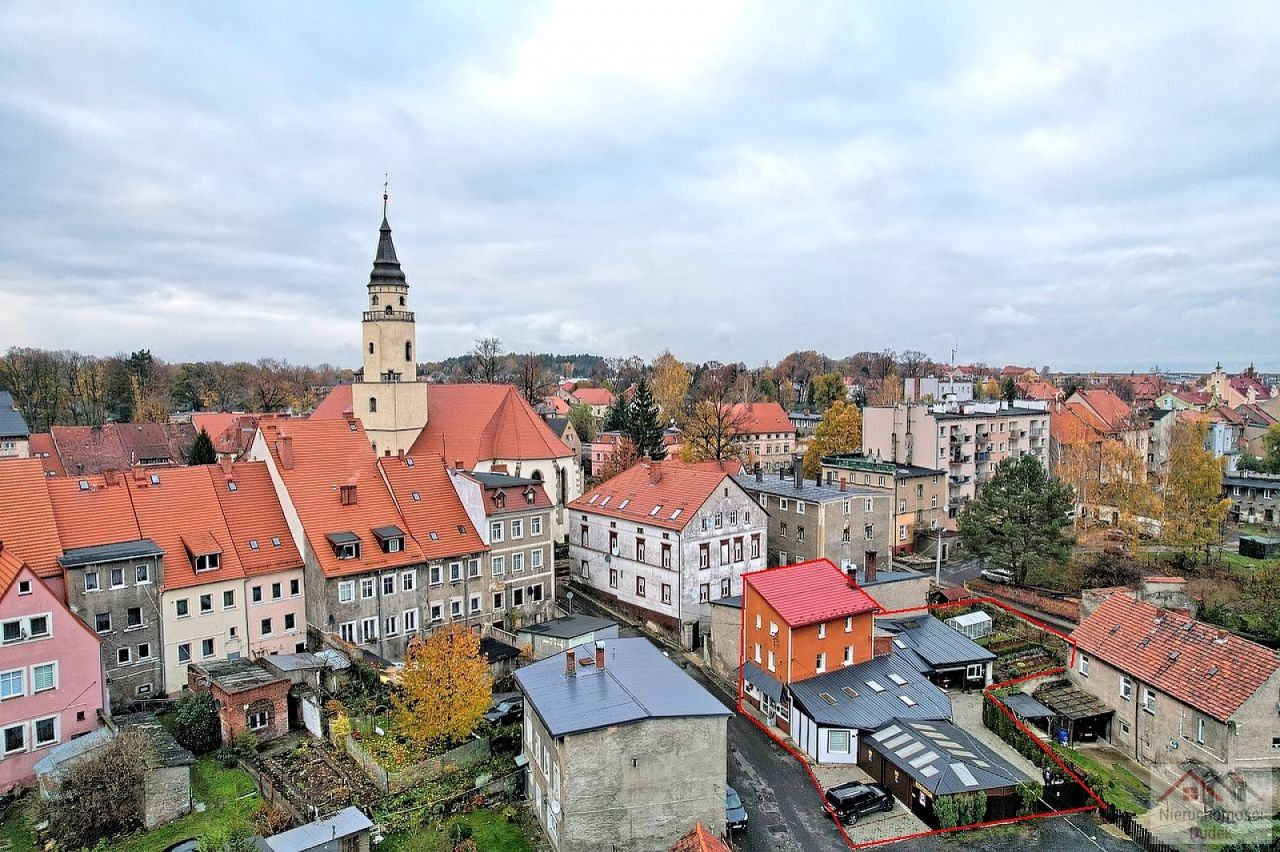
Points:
(389, 399)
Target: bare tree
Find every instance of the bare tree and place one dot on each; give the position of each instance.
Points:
(536, 381)
(882, 363)
(911, 363)
(715, 427)
(485, 361)
(100, 795)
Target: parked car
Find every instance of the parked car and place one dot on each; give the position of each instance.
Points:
(506, 711)
(735, 815)
(852, 801)
(998, 575)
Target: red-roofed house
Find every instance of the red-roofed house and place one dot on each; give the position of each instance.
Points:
(27, 526)
(597, 399)
(52, 683)
(120, 446)
(664, 539)
(1232, 391)
(202, 594)
(770, 434)
(231, 433)
(43, 448)
(1039, 389)
(804, 619)
(1181, 689)
(273, 592)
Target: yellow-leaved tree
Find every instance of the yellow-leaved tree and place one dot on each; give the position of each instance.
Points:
(670, 385)
(445, 688)
(1194, 507)
(839, 432)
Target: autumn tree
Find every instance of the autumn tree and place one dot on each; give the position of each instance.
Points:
(1269, 461)
(714, 428)
(485, 362)
(622, 458)
(671, 380)
(445, 688)
(988, 389)
(584, 422)
(100, 795)
(1019, 518)
(1194, 507)
(643, 427)
(827, 388)
(889, 391)
(839, 432)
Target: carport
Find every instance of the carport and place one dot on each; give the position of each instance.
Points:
(1026, 707)
(1080, 714)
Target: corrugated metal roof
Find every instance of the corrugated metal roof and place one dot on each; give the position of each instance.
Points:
(877, 695)
(936, 643)
(943, 758)
(762, 680)
(638, 682)
(344, 823)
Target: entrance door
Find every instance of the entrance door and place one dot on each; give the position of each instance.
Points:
(869, 561)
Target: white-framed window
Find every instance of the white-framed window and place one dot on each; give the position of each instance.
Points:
(347, 631)
(799, 507)
(390, 626)
(1126, 687)
(437, 612)
(517, 563)
(410, 620)
(1148, 700)
(117, 578)
(258, 720)
(45, 732)
(408, 581)
(25, 629)
(123, 656)
(367, 588)
(535, 525)
(1200, 730)
(369, 630)
(44, 676)
(206, 648)
(822, 630)
(848, 655)
(13, 683)
(15, 738)
(455, 572)
(475, 604)
(838, 741)
(1084, 665)
(498, 565)
(91, 581)
(455, 607)
(757, 653)
(388, 584)
(535, 558)
(184, 652)
(870, 503)
(666, 593)
(772, 665)
(346, 591)
(820, 665)
(704, 593)
(517, 528)
(142, 574)
(782, 503)
(495, 531)
(436, 575)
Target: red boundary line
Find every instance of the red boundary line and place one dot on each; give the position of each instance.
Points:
(987, 692)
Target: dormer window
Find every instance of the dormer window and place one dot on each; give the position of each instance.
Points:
(346, 545)
(207, 562)
(390, 538)
(530, 495)
(500, 499)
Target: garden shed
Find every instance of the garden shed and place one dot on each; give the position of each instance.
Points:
(974, 625)
(1259, 547)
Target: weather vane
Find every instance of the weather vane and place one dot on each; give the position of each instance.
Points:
(386, 179)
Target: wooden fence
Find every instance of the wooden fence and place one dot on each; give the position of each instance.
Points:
(1138, 833)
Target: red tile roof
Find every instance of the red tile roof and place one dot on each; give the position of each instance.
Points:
(98, 514)
(326, 455)
(1196, 663)
(1040, 389)
(762, 417)
(1192, 397)
(472, 423)
(700, 839)
(253, 514)
(593, 396)
(514, 499)
(556, 405)
(119, 446)
(43, 448)
(1242, 385)
(181, 514)
(335, 406)
(230, 433)
(27, 526)
(1074, 424)
(435, 516)
(809, 592)
(1114, 413)
(10, 567)
(681, 490)
(733, 467)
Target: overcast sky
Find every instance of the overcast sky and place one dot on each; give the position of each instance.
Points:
(1087, 187)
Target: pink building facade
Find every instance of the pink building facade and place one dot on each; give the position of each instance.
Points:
(52, 682)
(277, 613)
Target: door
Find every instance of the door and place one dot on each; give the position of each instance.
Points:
(869, 561)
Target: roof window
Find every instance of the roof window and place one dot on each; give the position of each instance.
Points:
(417, 497)
(253, 544)
(907, 700)
(849, 691)
(275, 541)
(433, 536)
(594, 498)
(898, 679)
(408, 461)
(462, 530)
(84, 485)
(875, 687)
(231, 485)
(155, 479)
(624, 503)
(655, 510)
(605, 501)
(676, 514)
(827, 697)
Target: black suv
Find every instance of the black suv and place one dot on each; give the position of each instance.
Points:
(853, 800)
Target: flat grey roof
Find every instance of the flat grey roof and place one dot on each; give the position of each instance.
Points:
(943, 758)
(294, 662)
(389, 531)
(118, 552)
(934, 642)
(1255, 480)
(568, 626)
(344, 823)
(638, 682)
(734, 601)
(345, 537)
(808, 491)
(883, 577)
(868, 708)
(1026, 706)
(502, 480)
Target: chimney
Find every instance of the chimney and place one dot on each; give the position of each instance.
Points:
(797, 472)
(110, 477)
(759, 473)
(225, 464)
(655, 473)
(457, 465)
(570, 662)
(881, 645)
(501, 467)
(600, 654)
(843, 483)
(284, 446)
(347, 494)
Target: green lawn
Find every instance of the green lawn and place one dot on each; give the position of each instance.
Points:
(1121, 787)
(16, 832)
(493, 832)
(221, 790)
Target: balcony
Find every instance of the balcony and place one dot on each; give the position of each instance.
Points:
(983, 456)
(390, 316)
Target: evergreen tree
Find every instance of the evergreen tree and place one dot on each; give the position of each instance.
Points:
(1019, 518)
(643, 427)
(202, 450)
(1009, 390)
(616, 416)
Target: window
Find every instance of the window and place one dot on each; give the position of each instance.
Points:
(772, 667)
(799, 533)
(820, 664)
(184, 652)
(848, 655)
(229, 598)
(1084, 665)
(704, 593)
(495, 531)
(455, 572)
(613, 578)
(206, 603)
(390, 626)
(117, 578)
(725, 587)
(290, 621)
(868, 532)
(369, 630)
(517, 563)
(388, 586)
(782, 529)
(755, 547)
(517, 528)
(144, 651)
(24, 587)
(782, 503)
(373, 404)
(91, 581)
(870, 502)
(498, 565)
(45, 676)
(724, 552)
(123, 656)
(435, 576)
(346, 591)
(408, 581)
(799, 507)
(475, 604)
(757, 652)
(704, 556)
(1148, 700)
(666, 593)
(1200, 730)
(639, 550)
(15, 739)
(640, 586)
(12, 684)
(455, 608)
(133, 617)
(535, 558)
(206, 648)
(666, 556)
(102, 622)
(410, 620)
(208, 562)
(367, 587)
(1126, 687)
(437, 612)
(266, 627)
(517, 597)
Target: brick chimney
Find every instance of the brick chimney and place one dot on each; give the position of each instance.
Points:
(600, 654)
(284, 447)
(570, 662)
(457, 464)
(111, 477)
(225, 464)
(843, 483)
(655, 472)
(881, 645)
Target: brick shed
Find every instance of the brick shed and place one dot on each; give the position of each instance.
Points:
(248, 696)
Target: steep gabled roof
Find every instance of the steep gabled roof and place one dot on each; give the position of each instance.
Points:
(1114, 413)
(326, 455)
(472, 423)
(180, 513)
(27, 525)
(254, 517)
(809, 592)
(1200, 665)
(12, 425)
(671, 503)
(89, 512)
(700, 839)
(119, 446)
(430, 506)
(1074, 424)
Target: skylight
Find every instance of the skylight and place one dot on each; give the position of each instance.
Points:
(594, 498)
(907, 700)
(434, 537)
(827, 697)
(676, 514)
(231, 485)
(656, 509)
(875, 687)
(84, 485)
(275, 541)
(417, 497)
(962, 772)
(927, 757)
(605, 501)
(624, 503)
(155, 479)
(462, 530)
(408, 462)
(898, 679)
(852, 693)
(898, 643)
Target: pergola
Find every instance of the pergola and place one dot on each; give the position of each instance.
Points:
(1081, 714)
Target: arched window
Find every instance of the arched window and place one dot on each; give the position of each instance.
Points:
(408, 351)
(388, 310)
(373, 404)
(537, 476)
(370, 347)
(375, 298)
(402, 301)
